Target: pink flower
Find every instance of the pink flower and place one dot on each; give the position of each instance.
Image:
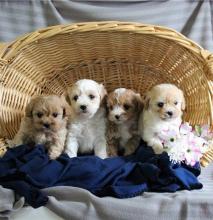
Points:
(168, 135)
(185, 128)
(186, 145)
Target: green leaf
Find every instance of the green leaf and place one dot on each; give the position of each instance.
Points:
(198, 130)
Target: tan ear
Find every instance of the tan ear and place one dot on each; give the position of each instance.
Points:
(147, 100)
(66, 107)
(139, 102)
(30, 106)
(103, 96)
(183, 103)
(102, 91)
(66, 97)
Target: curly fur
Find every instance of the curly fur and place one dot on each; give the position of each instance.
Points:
(124, 107)
(45, 122)
(87, 124)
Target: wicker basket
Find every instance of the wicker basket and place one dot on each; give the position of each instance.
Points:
(117, 54)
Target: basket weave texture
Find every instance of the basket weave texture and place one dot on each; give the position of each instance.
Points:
(117, 54)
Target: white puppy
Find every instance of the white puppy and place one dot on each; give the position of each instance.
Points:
(164, 104)
(87, 125)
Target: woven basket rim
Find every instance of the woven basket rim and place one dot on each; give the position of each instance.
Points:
(9, 50)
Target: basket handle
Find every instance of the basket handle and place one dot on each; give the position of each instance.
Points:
(3, 145)
(208, 69)
(3, 48)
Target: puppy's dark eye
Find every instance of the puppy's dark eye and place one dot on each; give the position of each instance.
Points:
(91, 96)
(175, 103)
(75, 97)
(126, 107)
(160, 104)
(55, 114)
(39, 114)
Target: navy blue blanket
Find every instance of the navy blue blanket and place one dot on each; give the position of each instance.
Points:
(27, 170)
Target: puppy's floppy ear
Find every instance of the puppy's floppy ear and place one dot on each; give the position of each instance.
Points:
(147, 100)
(183, 102)
(67, 99)
(139, 102)
(105, 103)
(65, 106)
(102, 91)
(66, 96)
(30, 106)
(103, 95)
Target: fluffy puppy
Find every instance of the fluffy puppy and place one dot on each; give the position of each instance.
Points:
(124, 107)
(87, 124)
(164, 104)
(44, 123)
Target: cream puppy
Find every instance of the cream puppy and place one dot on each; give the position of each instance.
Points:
(44, 123)
(87, 125)
(124, 107)
(164, 104)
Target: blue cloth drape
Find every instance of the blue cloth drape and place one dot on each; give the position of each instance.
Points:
(27, 170)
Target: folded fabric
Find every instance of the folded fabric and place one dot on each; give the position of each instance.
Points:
(8, 203)
(27, 170)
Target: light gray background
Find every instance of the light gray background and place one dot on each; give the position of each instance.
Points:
(193, 18)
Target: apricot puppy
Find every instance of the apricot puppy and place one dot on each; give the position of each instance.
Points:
(45, 122)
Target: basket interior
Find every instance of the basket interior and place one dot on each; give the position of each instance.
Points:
(116, 59)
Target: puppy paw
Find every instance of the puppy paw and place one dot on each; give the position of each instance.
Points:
(53, 154)
(101, 151)
(129, 151)
(71, 154)
(158, 148)
(102, 155)
(131, 147)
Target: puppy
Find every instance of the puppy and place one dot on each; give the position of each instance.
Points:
(44, 123)
(164, 104)
(124, 107)
(87, 124)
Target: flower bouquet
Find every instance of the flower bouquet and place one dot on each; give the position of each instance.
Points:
(188, 144)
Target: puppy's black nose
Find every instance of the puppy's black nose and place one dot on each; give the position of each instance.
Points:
(46, 125)
(117, 117)
(169, 113)
(83, 107)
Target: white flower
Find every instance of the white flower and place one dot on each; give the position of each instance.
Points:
(168, 135)
(176, 151)
(186, 145)
(185, 128)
